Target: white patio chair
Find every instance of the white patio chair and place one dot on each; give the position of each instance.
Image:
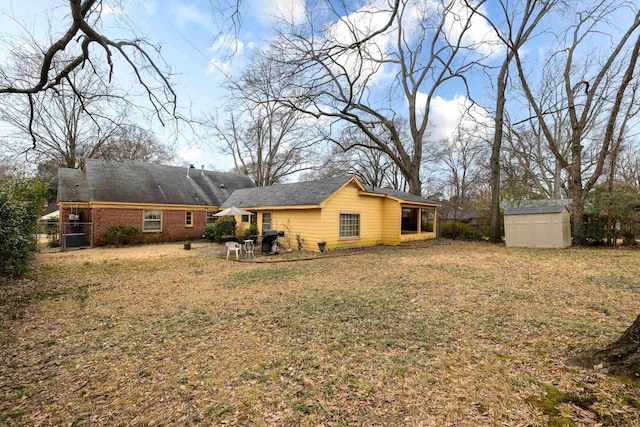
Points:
(233, 246)
(248, 249)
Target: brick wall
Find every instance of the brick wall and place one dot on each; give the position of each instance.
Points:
(173, 224)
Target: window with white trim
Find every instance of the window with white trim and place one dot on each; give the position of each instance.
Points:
(266, 221)
(349, 225)
(152, 220)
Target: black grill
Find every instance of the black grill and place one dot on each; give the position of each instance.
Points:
(269, 237)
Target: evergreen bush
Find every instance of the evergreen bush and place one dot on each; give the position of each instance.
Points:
(120, 235)
(21, 201)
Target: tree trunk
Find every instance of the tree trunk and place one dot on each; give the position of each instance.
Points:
(623, 356)
(495, 231)
(577, 217)
(415, 183)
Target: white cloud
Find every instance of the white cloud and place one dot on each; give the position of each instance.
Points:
(224, 49)
(228, 43)
(186, 15)
(269, 12)
(446, 116)
(356, 26)
(480, 35)
(216, 66)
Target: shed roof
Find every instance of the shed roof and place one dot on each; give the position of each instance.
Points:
(532, 210)
(137, 182)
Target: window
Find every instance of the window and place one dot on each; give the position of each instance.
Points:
(349, 225)
(210, 218)
(188, 219)
(245, 219)
(409, 223)
(152, 220)
(266, 221)
(426, 223)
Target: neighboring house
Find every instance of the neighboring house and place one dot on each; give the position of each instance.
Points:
(340, 212)
(166, 203)
(475, 219)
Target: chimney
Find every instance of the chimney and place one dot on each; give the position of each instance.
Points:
(202, 171)
(189, 170)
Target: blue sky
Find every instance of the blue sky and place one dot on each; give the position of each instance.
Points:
(193, 46)
(199, 50)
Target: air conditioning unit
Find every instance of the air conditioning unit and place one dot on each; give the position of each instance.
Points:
(74, 240)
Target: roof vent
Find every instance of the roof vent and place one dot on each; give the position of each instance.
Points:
(221, 185)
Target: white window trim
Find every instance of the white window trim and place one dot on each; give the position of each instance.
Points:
(359, 226)
(145, 220)
(270, 222)
(186, 214)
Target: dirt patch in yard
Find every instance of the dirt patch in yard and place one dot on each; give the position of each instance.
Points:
(458, 334)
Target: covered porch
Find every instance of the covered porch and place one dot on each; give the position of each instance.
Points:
(418, 222)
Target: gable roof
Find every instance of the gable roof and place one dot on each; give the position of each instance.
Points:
(308, 193)
(72, 185)
(137, 182)
(293, 194)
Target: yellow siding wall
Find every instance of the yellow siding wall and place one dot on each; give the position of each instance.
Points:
(391, 219)
(380, 220)
(303, 222)
(349, 200)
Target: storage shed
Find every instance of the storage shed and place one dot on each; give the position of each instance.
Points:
(546, 226)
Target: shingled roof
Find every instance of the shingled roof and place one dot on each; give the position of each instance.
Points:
(72, 186)
(528, 210)
(294, 194)
(306, 193)
(402, 195)
(137, 182)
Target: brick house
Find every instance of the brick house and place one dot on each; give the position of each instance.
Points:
(166, 203)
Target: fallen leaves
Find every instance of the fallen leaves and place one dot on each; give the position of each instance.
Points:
(463, 334)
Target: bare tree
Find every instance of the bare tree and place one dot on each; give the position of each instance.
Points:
(371, 167)
(79, 50)
(78, 117)
(130, 142)
(518, 21)
(268, 140)
(424, 47)
(461, 157)
(594, 90)
(628, 170)
(527, 160)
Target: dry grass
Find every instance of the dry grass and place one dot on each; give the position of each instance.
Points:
(462, 334)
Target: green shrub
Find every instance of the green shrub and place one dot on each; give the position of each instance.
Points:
(208, 232)
(453, 230)
(220, 230)
(120, 235)
(592, 234)
(21, 201)
(251, 231)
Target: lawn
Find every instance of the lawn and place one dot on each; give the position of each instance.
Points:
(454, 334)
